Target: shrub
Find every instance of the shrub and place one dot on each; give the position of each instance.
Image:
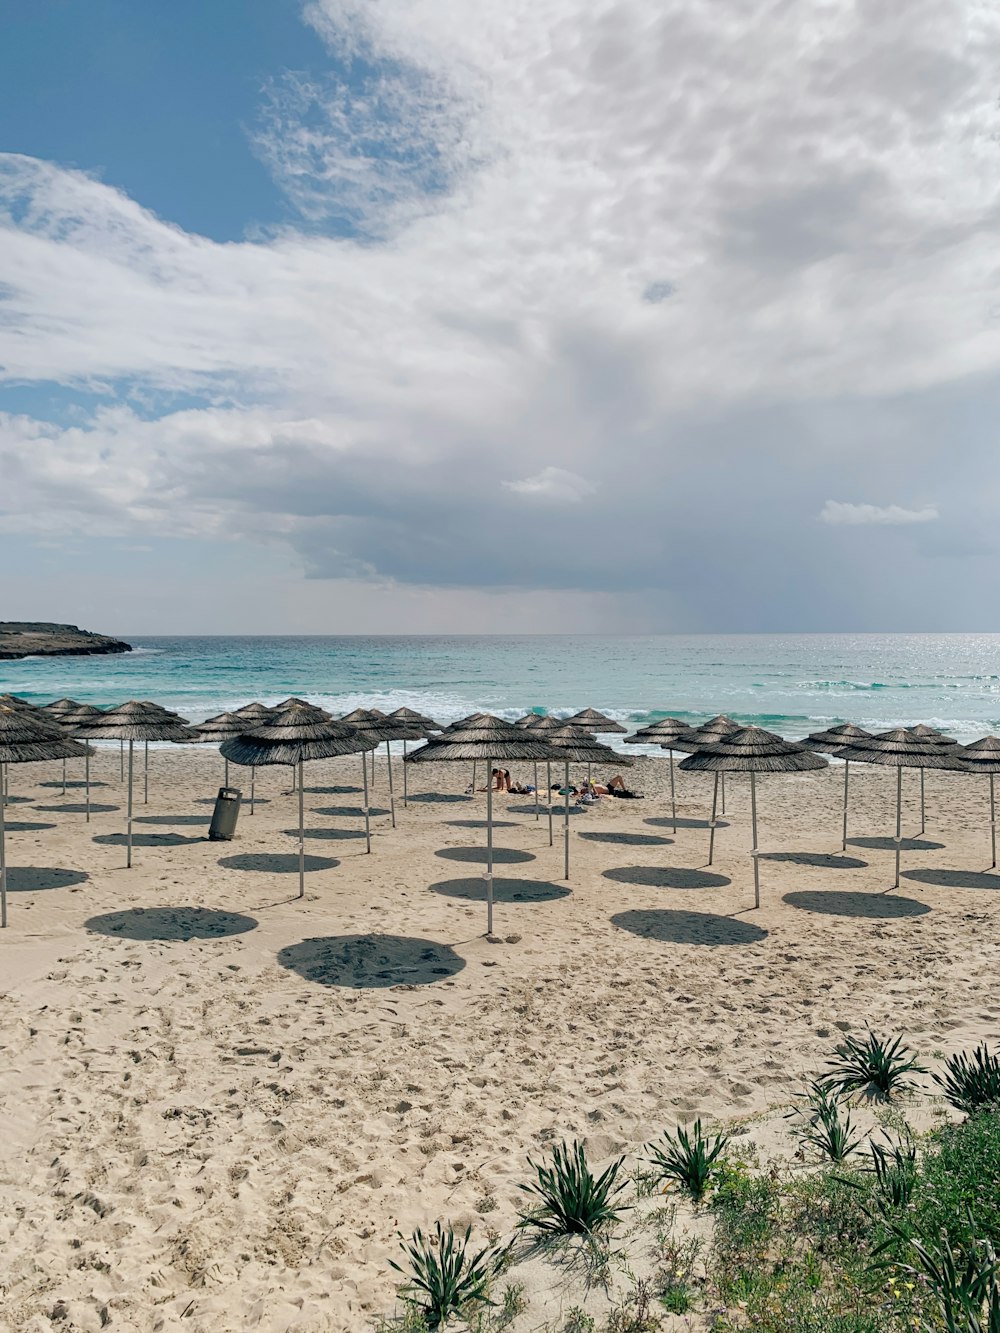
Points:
(894, 1166)
(964, 1285)
(879, 1067)
(822, 1125)
(958, 1188)
(573, 1201)
(971, 1084)
(443, 1278)
(687, 1159)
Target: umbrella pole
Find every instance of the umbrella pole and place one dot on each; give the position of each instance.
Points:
(548, 793)
(392, 799)
(368, 817)
(538, 813)
(711, 824)
(923, 819)
(302, 837)
(566, 824)
(753, 851)
(899, 817)
(722, 785)
(64, 780)
(225, 779)
(86, 779)
(405, 791)
(847, 782)
(251, 790)
(121, 757)
(473, 777)
(3, 855)
(145, 773)
(489, 853)
(128, 862)
(993, 824)
(673, 797)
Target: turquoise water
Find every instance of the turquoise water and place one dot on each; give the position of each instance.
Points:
(790, 683)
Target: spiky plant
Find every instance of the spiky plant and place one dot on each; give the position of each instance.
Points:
(688, 1159)
(825, 1124)
(970, 1084)
(443, 1277)
(894, 1166)
(965, 1285)
(572, 1201)
(880, 1067)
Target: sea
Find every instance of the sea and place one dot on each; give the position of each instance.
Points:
(790, 683)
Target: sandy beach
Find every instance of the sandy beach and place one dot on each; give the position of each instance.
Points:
(219, 1104)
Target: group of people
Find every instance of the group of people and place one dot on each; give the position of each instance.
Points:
(586, 793)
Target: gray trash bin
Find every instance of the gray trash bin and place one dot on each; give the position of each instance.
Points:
(225, 814)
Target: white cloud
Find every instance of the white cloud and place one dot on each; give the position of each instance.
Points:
(853, 515)
(554, 484)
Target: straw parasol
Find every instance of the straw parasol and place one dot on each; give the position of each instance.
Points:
(542, 724)
(598, 723)
(576, 746)
(294, 736)
(936, 738)
(215, 730)
(73, 724)
(490, 739)
(671, 734)
(26, 738)
(419, 727)
(753, 750)
(707, 734)
(984, 757)
(900, 749)
(135, 721)
(253, 714)
(381, 728)
(829, 742)
(58, 709)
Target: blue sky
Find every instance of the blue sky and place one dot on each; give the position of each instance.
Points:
(415, 315)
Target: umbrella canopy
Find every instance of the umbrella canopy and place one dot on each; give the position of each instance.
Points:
(254, 711)
(27, 738)
(293, 702)
(74, 724)
(983, 756)
(215, 730)
(716, 726)
(661, 731)
(591, 720)
(18, 704)
(931, 734)
(293, 736)
(835, 737)
(409, 717)
(60, 706)
(574, 745)
(381, 728)
(752, 750)
(548, 723)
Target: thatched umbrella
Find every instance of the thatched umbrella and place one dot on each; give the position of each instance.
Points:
(543, 725)
(900, 749)
(294, 736)
(596, 723)
(135, 721)
(26, 738)
(254, 714)
(576, 746)
(215, 730)
(671, 734)
(936, 738)
(492, 740)
(73, 724)
(984, 757)
(830, 741)
(707, 734)
(419, 727)
(58, 709)
(380, 728)
(753, 750)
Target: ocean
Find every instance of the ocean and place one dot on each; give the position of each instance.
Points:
(790, 683)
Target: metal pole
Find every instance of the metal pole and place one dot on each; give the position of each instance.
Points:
(3, 854)
(722, 810)
(489, 851)
(392, 799)
(145, 773)
(847, 780)
(225, 779)
(129, 860)
(548, 793)
(86, 778)
(64, 780)
(538, 813)
(473, 777)
(302, 838)
(405, 792)
(368, 818)
(566, 823)
(899, 816)
(923, 820)
(993, 824)
(252, 774)
(711, 824)
(673, 797)
(753, 852)
(121, 757)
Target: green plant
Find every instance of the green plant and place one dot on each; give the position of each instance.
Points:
(443, 1278)
(672, 1280)
(635, 1313)
(687, 1159)
(964, 1285)
(573, 1200)
(878, 1066)
(971, 1084)
(579, 1321)
(894, 1166)
(960, 1179)
(823, 1126)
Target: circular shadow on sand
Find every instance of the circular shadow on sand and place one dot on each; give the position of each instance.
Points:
(889, 844)
(170, 819)
(626, 839)
(146, 839)
(684, 823)
(171, 923)
(481, 823)
(25, 879)
(326, 834)
(348, 811)
(822, 860)
(77, 808)
(876, 906)
(370, 962)
(276, 863)
(504, 890)
(478, 855)
(26, 826)
(81, 784)
(210, 800)
(667, 877)
(332, 791)
(688, 927)
(23, 800)
(436, 797)
(558, 809)
(954, 879)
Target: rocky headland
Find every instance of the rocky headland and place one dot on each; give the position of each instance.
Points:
(29, 638)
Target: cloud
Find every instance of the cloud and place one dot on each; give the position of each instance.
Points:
(854, 515)
(555, 485)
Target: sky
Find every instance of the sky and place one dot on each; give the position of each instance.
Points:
(422, 316)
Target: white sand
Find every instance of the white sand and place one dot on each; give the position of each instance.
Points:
(196, 1136)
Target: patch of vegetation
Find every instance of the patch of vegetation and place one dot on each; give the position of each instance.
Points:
(573, 1201)
(824, 1123)
(687, 1159)
(879, 1067)
(444, 1277)
(971, 1084)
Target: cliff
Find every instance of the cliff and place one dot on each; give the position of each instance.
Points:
(28, 638)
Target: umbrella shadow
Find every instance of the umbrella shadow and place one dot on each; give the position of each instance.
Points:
(25, 879)
(955, 879)
(25, 800)
(558, 809)
(837, 902)
(626, 839)
(889, 844)
(667, 877)
(170, 819)
(479, 855)
(348, 811)
(26, 826)
(481, 823)
(436, 797)
(333, 791)
(824, 860)
(674, 927)
(80, 808)
(326, 834)
(666, 822)
(146, 840)
(210, 800)
(171, 923)
(371, 962)
(71, 783)
(504, 890)
(276, 863)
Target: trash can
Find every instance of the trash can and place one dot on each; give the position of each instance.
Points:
(225, 814)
